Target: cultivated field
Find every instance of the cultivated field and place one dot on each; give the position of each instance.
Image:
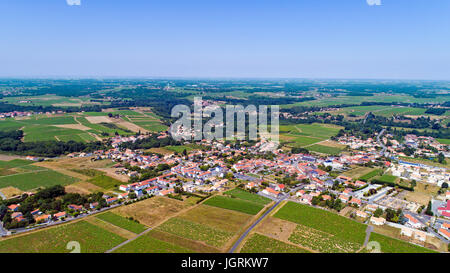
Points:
(234, 204)
(227, 220)
(122, 222)
(153, 211)
(149, 244)
(32, 177)
(191, 230)
(54, 240)
(391, 245)
(322, 231)
(357, 172)
(258, 243)
(305, 135)
(244, 195)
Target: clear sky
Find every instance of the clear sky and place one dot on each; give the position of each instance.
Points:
(402, 39)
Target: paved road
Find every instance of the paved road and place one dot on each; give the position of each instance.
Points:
(2, 195)
(2, 230)
(381, 143)
(239, 241)
(127, 241)
(368, 232)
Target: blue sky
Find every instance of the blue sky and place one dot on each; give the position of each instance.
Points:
(401, 39)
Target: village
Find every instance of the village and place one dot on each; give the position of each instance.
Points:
(315, 180)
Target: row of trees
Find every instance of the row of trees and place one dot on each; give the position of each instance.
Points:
(10, 141)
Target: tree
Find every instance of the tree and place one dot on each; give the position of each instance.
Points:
(132, 195)
(429, 210)
(441, 158)
(378, 212)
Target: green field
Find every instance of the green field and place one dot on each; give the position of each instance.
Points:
(321, 131)
(301, 135)
(88, 172)
(42, 128)
(234, 204)
(322, 230)
(370, 175)
(148, 121)
(148, 244)
(382, 110)
(387, 178)
(57, 120)
(443, 141)
(92, 239)
(48, 100)
(14, 163)
(110, 128)
(10, 125)
(15, 166)
(324, 149)
(327, 101)
(189, 147)
(36, 178)
(391, 245)
(46, 133)
(258, 243)
(244, 195)
(105, 181)
(194, 231)
(122, 222)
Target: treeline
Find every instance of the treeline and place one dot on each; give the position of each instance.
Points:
(10, 141)
(436, 111)
(150, 142)
(260, 100)
(7, 107)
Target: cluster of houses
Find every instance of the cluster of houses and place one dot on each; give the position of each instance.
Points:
(420, 172)
(14, 114)
(38, 216)
(161, 185)
(420, 144)
(41, 218)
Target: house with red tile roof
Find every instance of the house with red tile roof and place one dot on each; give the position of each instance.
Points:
(111, 200)
(445, 233)
(343, 198)
(412, 221)
(166, 192)
(16, 214)
(445, 210)
(36, 212)
(326, 197)
(75, 207)
(355, 201)
(14, 207)
(43, 218)
(271, 192)
(60, 215)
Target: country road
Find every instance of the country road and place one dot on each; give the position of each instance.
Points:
(2, 196)
(128, 241)
(368, 232)
(239, 241)
(383, 151)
